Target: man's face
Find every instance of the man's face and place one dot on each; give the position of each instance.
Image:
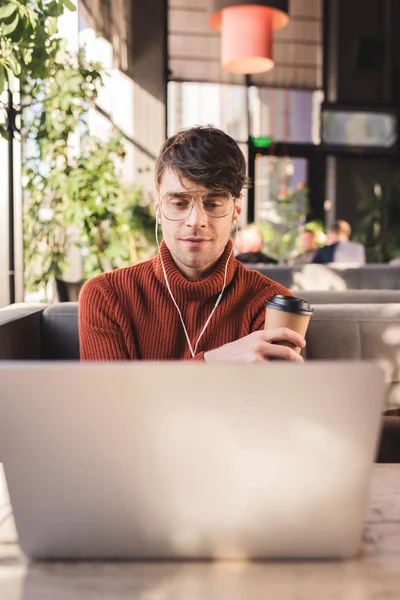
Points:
(308, 242)
(197, 242)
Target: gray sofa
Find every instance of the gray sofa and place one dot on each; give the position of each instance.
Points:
(333, 277)
(349, 296)
(336, 332)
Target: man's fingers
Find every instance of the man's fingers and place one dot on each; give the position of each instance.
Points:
(284, 334)
(281, 352)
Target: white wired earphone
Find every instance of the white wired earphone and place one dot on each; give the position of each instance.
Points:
(193, 350)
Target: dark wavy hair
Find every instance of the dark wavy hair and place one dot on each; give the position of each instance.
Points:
(205, 155)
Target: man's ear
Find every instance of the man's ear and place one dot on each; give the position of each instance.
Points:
(238, 207)
(158, 213)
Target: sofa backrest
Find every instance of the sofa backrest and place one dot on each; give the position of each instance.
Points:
(349, 296)
(20, 331)
(336, 332)
(362, 332)
(333, 277)
(60, 337)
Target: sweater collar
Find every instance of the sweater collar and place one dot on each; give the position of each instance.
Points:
(194, 290)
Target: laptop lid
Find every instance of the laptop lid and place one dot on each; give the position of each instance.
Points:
(183, 460)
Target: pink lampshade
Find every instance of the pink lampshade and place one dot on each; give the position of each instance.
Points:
(246, 32)
(246, 39)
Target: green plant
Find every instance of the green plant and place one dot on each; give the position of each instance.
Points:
(287, 213)
(119, 237)
(378, 228)
(74, 193)
(28, 43)
(136, 222)
(52, 170)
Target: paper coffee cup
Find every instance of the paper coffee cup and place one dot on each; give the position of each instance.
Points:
(288, 311)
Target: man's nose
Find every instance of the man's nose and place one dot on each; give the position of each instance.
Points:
(197, 217)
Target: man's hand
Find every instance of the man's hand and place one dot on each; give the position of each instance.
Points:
(258, 347)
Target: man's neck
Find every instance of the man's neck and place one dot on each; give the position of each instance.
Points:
(197, 274)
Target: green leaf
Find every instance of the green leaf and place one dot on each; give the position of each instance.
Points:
(8, 28)
(7, 10)
(68, 4)
(14, 64)
(2, 79)
(52, 27)
(20, 33)
(3, 132)
(40, 37)
(54, 9)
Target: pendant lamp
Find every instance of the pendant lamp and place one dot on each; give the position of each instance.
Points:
(246, 28)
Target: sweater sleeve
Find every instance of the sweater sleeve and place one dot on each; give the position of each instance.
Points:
(100, 333)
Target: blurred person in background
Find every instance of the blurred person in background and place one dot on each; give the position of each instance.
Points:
(339, 248)
(249, 244)
(308, 245)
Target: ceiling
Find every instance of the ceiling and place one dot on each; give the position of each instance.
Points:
(194, 48)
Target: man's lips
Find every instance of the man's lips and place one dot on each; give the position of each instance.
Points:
(195, 240)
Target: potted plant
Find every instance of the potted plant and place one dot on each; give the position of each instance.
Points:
(29, 47)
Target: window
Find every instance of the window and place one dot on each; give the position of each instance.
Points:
(285, 115)
(224, 106)
(351, 128)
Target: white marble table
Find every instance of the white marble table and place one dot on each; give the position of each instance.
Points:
(374, 576)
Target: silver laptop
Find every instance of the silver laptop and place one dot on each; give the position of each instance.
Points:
(181, 460)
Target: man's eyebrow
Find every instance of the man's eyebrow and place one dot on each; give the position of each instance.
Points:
(179, 194)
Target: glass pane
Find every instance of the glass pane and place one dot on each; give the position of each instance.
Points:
(224, 106)
(280, 203)
(285, 115)
(349, 128)
(275, 178)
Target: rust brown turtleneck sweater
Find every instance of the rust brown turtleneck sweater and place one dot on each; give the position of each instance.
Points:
(128, 314)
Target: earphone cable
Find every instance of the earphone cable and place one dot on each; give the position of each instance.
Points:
(193, 351)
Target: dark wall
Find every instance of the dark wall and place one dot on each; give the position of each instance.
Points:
(149, 46)
(364, 57)
(361, 68)
(359, 50)
(137, 30)
(394, 31)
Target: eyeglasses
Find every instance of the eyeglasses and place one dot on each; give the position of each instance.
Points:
(178, 206)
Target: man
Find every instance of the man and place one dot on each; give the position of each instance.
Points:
(194, 300)
(249, 243)
(339, 248)
(308, 244)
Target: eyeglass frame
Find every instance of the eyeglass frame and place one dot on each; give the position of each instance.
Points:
(234, 198)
